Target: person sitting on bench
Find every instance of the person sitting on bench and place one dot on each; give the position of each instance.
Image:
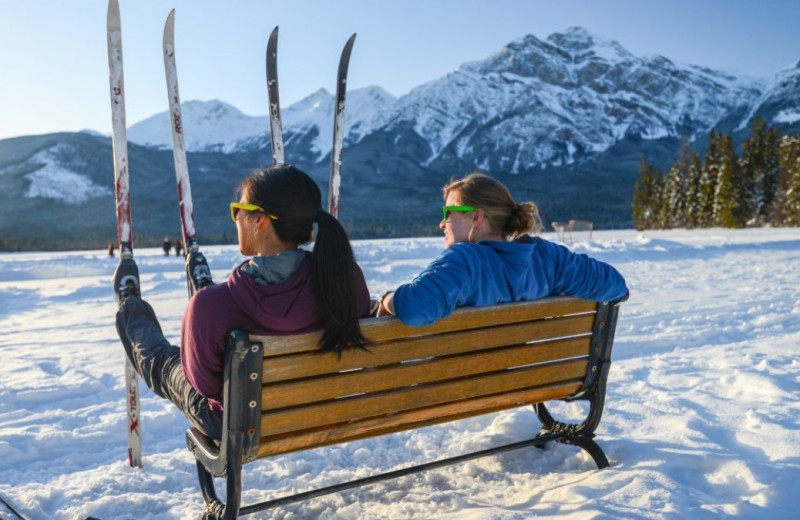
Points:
(282, 289)
(489, 258)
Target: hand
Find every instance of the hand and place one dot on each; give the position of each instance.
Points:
(385, 305)
(374, 305)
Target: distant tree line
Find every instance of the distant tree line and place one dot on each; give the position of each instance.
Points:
(761, 187)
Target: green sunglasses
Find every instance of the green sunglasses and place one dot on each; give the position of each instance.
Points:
(236, 206)
(460, 209)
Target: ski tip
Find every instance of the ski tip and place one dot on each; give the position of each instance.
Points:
(169, 28)
(113, 18)
(348, 48)
(272, 43)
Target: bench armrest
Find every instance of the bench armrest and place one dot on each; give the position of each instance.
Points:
(209, 452)
(241, 416)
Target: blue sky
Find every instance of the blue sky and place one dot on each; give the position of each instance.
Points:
(53, 54)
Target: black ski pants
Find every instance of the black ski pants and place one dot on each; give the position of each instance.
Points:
(159, 364)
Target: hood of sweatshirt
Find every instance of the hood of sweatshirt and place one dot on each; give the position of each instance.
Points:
(285, 306)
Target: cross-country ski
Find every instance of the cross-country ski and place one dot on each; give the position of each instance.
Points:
(198, 274)
(276, 133)
(335, 181)
(127, 271)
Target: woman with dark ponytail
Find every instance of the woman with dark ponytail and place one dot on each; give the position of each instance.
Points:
(490, 258)
(281, 289)
(294, 204)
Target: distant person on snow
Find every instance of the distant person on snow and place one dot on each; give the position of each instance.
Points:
(281, 289)
(489, 258)
(166, 245)
(111, 249)
(178, 247)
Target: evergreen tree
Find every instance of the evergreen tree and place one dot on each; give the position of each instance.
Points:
(708, 181)
(769, 183)
(730, 205)
(760, 172)
(670, 198)
(693, 192)
(789, 192)
(658, 201)
(676, 184)
(646, 197)
(750, 166)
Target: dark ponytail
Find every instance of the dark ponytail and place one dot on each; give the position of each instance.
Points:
(335, 277)
(295, 198)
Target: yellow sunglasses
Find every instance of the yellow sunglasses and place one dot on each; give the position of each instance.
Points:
(236, 206)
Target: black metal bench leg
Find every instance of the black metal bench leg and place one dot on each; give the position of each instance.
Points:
(214, 508)
(588, 444)
(574, 434)
(234, 481)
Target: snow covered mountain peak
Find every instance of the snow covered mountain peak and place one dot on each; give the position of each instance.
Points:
(780, 101)
(314, 102)
(555, 59)
(584, 45)
(576, 38)
(542, 103)
(208, 126)
(367, 110)
(218, 126)
(211, 110)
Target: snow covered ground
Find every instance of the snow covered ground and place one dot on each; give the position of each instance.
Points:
(702, 418)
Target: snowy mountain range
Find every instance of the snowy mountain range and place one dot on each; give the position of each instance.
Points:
(535, 104)
(216, 126)
(563, 121)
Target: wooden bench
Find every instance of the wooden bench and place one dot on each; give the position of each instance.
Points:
(281, 395)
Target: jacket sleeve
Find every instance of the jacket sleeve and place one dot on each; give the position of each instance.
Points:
(579, 275)
(436, 291)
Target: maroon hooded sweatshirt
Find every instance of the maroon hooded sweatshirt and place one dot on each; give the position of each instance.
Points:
(289, 307)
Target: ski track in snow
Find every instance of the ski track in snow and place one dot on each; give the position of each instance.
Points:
(701, 419)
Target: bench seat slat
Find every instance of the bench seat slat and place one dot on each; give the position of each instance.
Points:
(387, 329)
(391, 423)
(422, 371)
(361, 407)
(312, 363)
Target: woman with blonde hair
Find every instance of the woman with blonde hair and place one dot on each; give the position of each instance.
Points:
(490, 258)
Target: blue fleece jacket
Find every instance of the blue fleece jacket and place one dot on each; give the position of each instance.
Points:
(492, 272)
